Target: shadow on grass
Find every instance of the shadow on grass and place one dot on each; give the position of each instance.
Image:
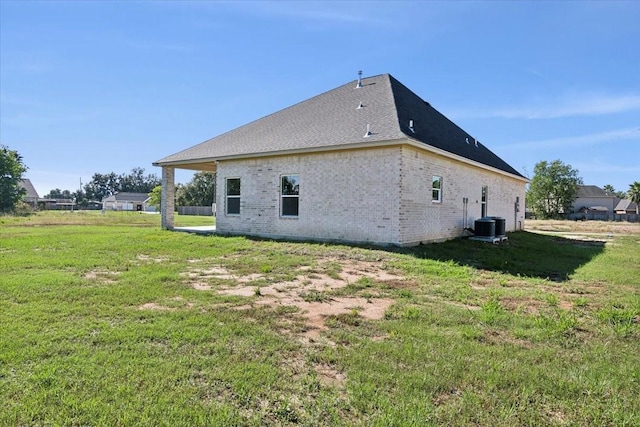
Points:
(524, 253)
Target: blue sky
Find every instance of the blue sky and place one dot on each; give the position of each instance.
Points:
(107, 86)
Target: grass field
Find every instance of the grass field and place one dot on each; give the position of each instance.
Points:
(106, 320)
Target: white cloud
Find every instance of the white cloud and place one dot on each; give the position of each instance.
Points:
(577, 141)
(607, 167)
(566, 106)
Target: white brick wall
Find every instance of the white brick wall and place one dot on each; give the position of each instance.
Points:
(347, 196)
(376, 195)
(422, 220)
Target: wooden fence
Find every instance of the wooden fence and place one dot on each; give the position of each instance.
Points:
(196, 210)
(604, 217)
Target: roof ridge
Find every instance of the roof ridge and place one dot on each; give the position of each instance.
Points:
(340, 117)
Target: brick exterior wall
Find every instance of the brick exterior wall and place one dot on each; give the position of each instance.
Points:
(423, 220)
(373, 195)
(167, 204)
(347, 196)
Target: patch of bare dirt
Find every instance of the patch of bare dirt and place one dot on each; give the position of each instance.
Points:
(522, 305)
(565, 305)
(308, 290)
(102, 276)
(154, 306)
(147, 258)
(329, 376)
(315, 313)
(176, 303)
(461, 305)
(497, 337)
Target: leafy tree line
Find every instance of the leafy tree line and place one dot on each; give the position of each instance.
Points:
(554, 188)
(200, 191)
(551, 193)
(105, 185)
(612, 191)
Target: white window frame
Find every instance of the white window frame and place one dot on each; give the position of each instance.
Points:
(287, 196)
(484, 198)
(232, 196)
(434, 189)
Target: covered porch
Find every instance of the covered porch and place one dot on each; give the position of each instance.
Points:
(167, 204)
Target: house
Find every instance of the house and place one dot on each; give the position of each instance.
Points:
(366, 162)
(594, 202)
(57, 204)
(626, 207)
(31, 197)
(126, 202)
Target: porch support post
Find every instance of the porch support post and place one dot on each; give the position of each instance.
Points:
(167, 204)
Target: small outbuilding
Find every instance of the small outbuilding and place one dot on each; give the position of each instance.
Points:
(126, 202)
(368, 162)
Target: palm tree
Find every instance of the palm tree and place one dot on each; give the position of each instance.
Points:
(609, 189)
(634, 195)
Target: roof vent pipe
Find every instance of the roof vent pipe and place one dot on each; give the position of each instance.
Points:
(476, 141)
(360, 106)
(368, 131)
(467, 140)
(411, 126)
(359, 85)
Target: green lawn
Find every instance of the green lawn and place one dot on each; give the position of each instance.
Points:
(108, 320)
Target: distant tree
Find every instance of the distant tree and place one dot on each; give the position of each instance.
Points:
(137, 182)
(634, 194)
(553, 189)
(59, 194)
(155, 197)
(101, 186)
(105, 185)
(200, 191)
(81, 198)
(11, 170)
(612, 191)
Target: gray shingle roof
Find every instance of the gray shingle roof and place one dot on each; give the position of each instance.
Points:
(591, 191)
(31, 190)
(626, 205)
(126, 197)
(333, 120)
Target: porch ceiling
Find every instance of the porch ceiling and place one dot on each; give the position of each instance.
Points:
(202, 166)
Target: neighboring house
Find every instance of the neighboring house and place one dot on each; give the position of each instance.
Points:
(31, 197)
(593, 200)
(626, 207)
(369, 161)
(126, 202)
(57, 204)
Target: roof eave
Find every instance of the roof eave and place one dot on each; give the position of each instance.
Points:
(193, 164)
(350, 146)
(422, 146)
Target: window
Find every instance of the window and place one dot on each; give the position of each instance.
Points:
(233, 196)
(436, 189)
(289, 195)
(483, 205)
